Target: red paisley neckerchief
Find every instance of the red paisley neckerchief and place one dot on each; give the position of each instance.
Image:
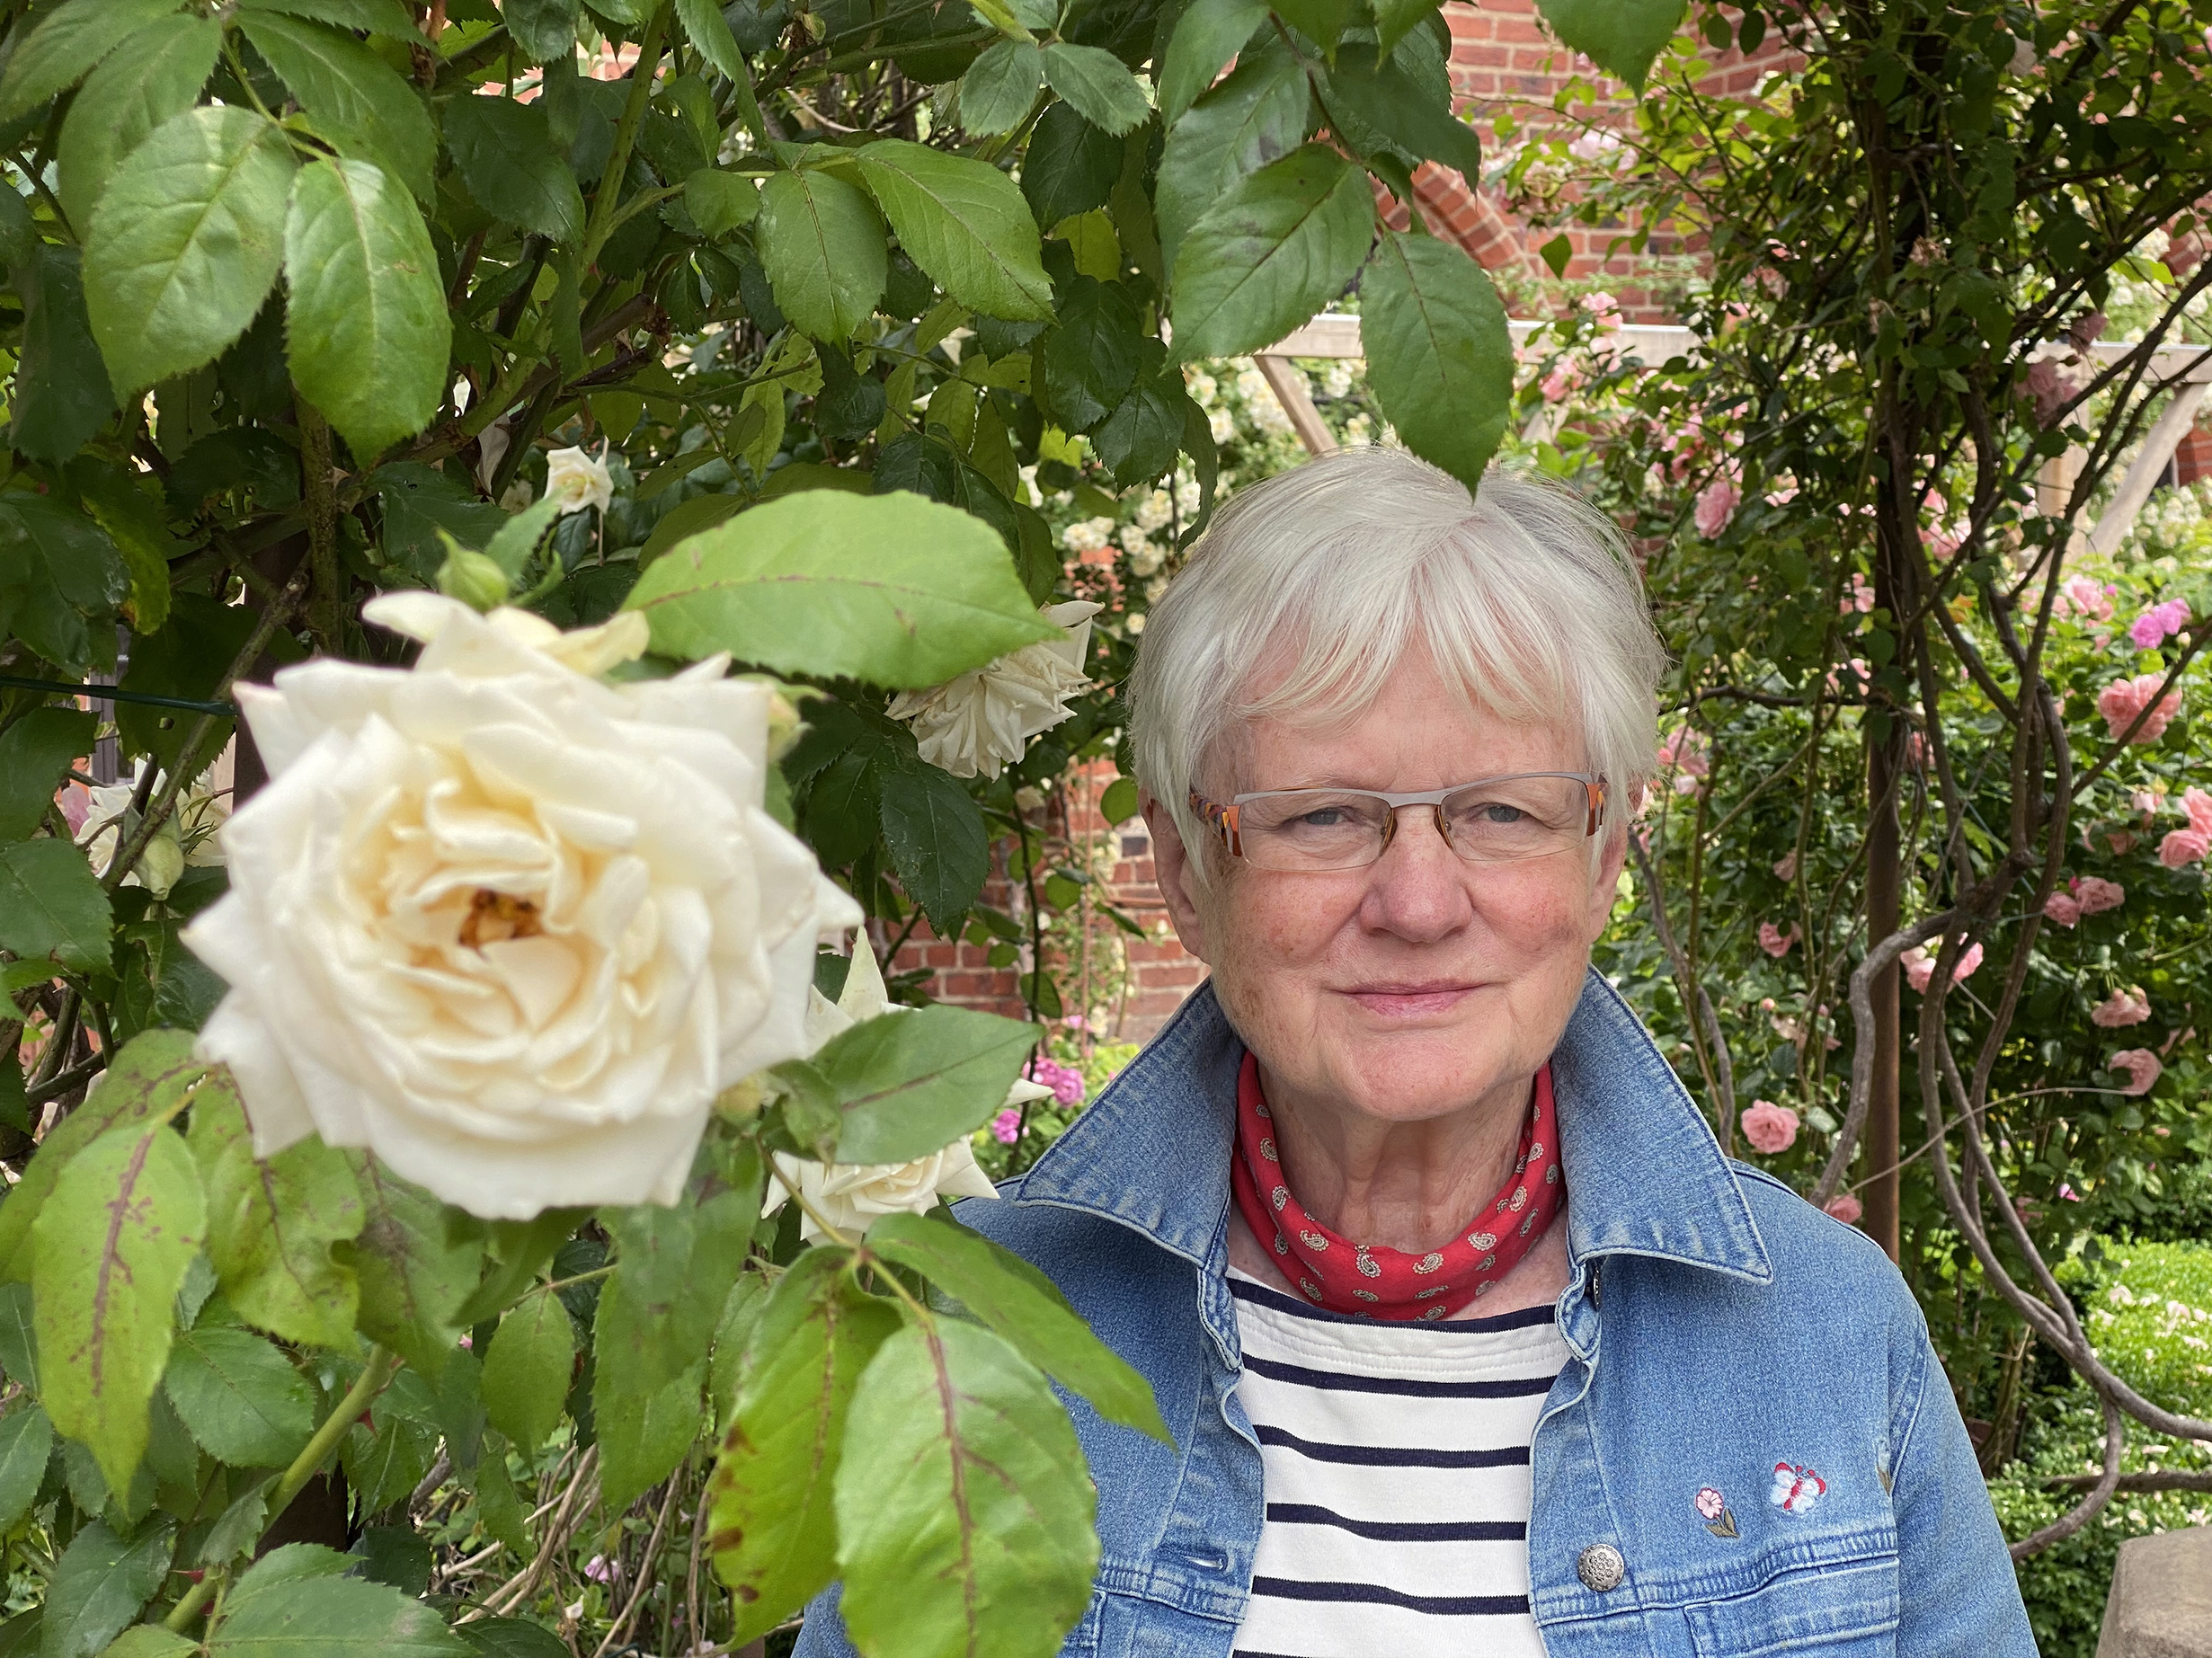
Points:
(1372, 1279)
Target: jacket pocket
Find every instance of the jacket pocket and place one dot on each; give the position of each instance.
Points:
(1848, 1609)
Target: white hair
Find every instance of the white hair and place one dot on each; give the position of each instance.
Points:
(1326, 576)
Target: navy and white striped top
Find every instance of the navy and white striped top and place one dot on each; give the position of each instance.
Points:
(1397, 1467)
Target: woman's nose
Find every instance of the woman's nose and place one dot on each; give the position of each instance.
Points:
(1418, 888)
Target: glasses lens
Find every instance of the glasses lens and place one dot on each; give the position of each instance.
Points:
(1506, 818)
(1312, 828)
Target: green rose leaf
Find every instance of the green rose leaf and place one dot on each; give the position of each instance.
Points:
(1280, 245)
(1319, 21)
(939, 845)
(62, 575)
(1397, 19)
(642, 1433)
(511, 166)
(351, 96)
(274, 1228)
(35, 756)
(1091, 359)
(413, 1276)
(186, 243)
(1206, 37)
(1025, 1307)
(1257, 115)
(367, 326)
(1439, 357)
(1071, 167)
(774, 1526)
(889, 589)
(1386, 98)
(1098, 84)
(61, 395)
(26, 1444)
(98, 1585)
(719, 202)
(1140, 438)
(910, 1083)
(674, 1266)
(1000, 86)
(1622, 37)
(149, 1641)
(511, 1637)
(388, 18)
(964, 223)
(528, 1369)
(152, 76)
(822, 244)
(974, 1494)
(146, 1078)
(112, 1243)
(51, 905)
(239, 1397)
(543, 28)
(330, 1616)
(66, 43)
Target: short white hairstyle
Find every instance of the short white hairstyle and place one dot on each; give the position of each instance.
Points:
(1308, 591)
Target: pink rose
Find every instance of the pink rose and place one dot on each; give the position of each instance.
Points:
(1786, 870)
(2128, 1006)
(2123, 701)
(2097, 894)
(2091, 600)
(2160, 622)
(1846, 1208)
(2198, 805)
(2182, 848)
(1969, 960)
(2050, 387)
(1685, 750)
(1919, 966)
(2063, 909)
(1862, 595)
(1006, 1128)
(1716, 505)
(1770, 1128)
(1561, 383)
(2142, 1067)
(1774, 940)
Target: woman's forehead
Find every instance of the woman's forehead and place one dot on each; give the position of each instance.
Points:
(1392, 744)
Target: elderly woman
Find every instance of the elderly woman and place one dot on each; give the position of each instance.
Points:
(1471, 1340)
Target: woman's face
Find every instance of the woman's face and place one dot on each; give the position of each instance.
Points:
(1420, 984)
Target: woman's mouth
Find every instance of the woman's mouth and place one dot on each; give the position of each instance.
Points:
(1412, 999)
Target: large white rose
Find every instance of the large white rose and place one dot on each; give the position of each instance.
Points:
(849, 1195)
(984, 719)
(509, 927)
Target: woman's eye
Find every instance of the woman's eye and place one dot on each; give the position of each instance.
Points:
(1328, 817)
(1497, 811)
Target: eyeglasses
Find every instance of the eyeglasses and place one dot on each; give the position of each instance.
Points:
(1491, 821)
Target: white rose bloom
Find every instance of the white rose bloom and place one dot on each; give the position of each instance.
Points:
(1154, 510)
(1186, 496)
(1201, 386)
(984, 719)
(187, 840)
(1222, 423)
(577, 480)
(1147, 561)
(509, 927)
(849, 1195)
(1133, 541)
(1087, 536)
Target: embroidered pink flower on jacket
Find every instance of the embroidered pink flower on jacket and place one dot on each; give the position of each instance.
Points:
(1770, 1128)
(1774, 940)
(2142, 1067)
(1796, 1489)
(1710, 1503)
(2122, 1007)
(2124, 700)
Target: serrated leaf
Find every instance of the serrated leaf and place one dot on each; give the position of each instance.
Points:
(674, 1269)
(910, 1084)
(413, 1277)
(238, 1397)
(388, 18)
(136, 522)
(61, 395)
(719, 202)
(642, 1435)
(186, 243)
(510, 1637)
(240, 1525)
(1098, 84)
(353, 97)
(366, 329)
(501, 1511)
(66, 43)
(709, 32)
(1321, 21)
(273, 1227)
(112, 1243)
(1001, 87)
(964, 223)
(1397, 19)
(26, 1444)
(62, 575)
(1622, 37)
(1206, 37)
(1280, 245)
(1439, 356)
(546, 29)
(149, 1641)
(51, 905)
(333, 1617)
(974, 1494)
(1257, 115)
(36, 753)
(151, 77)
(822, 247)
(146, 1079)
(1140, 438)
(98, 1585)
(511, 166)
(1071, 167)
(774, 1531)
(892, 590)
(1386, 98)
(938, 845)
(1026, 1308)
(740, 1313)
(528, 1369)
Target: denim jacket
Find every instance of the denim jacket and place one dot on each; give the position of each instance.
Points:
(1717, 1325)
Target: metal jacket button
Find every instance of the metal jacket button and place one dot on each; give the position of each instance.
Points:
(1599, 1568)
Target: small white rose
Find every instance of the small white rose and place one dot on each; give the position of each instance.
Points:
(577, 480)
(983, 720)
(509, 927)
(849, 1195)
(187, 840)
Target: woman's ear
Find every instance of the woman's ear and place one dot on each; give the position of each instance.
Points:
(1605, 879)
(1171, 868)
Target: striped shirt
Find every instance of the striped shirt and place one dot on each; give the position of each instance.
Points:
(1396, 1459)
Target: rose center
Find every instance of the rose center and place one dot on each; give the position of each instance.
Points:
(495, 917)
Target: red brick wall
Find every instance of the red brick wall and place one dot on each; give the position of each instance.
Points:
(2192, 459)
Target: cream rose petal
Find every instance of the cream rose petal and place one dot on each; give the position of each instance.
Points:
(983, 720)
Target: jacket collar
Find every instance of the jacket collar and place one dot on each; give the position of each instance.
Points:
(1644, 1173)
